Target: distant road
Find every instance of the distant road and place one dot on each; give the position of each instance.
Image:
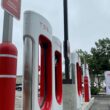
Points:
(101, 103)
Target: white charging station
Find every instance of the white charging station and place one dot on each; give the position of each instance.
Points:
(81, 77)
(89, 81)
(77, 93)
(57, 98)
(86, 73)
(37, 85)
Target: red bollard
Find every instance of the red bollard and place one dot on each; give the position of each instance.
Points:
(8, 65)
(86, 89)
(80, 80)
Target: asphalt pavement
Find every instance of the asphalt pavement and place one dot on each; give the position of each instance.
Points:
(102, 102)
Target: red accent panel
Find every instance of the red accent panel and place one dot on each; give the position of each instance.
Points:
(78, 78)
(80, 70)
(7, 85)
(86, 89)
(46, 73)
(42, 78)
(58, 77)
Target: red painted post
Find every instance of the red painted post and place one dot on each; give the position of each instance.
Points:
(80, 78)
(8, 65)
(86, 89)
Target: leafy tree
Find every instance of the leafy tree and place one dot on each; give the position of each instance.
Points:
(101, 55)
(84, 56)
(99, 59)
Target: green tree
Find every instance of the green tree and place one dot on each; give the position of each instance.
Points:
(101, 55)
(84, 56)
(99, 59)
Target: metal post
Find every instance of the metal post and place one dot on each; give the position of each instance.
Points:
(7, 27)
(66, 40)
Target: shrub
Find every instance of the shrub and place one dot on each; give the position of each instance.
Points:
(94, 90)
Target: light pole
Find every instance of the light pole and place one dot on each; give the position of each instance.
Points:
(66, 42)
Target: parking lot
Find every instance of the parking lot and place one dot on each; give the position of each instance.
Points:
(101, 103)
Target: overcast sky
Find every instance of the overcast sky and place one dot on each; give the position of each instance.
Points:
(89, 20)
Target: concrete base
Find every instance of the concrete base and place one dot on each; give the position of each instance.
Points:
(70, 101)
(69, 97)
(88, 105)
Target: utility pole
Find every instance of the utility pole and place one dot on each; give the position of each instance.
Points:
(66, 42)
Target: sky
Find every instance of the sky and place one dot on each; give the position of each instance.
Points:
(89, 20)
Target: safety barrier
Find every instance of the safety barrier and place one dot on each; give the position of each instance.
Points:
(8, 67)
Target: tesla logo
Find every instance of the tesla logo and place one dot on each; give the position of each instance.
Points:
(44, 27)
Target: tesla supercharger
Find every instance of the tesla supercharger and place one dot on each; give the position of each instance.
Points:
(77, 87)
(87, 93)
(80, 79)
(89, 81)
(57, 99)
(37, 86)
